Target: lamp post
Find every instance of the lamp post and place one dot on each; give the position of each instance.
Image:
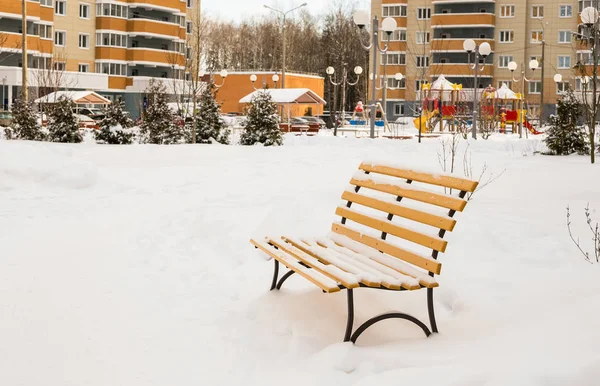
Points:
(590, 19)
(512, 66)
(223, 75)
(343, 82)
(283, 14)
(388, 25)
(480, 51)
(254, 78)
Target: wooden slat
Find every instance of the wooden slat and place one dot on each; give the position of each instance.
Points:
(317, 266)
(385, 247)
(417, 195)
(296, 267)
(440, 222)
(305, 249)
(432, 242)
(445, 181)
(372, 264)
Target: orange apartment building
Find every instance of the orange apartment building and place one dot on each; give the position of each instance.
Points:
(111, 47)
(428, 43)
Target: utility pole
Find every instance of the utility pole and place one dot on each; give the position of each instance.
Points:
(24, 50)
(595, 88)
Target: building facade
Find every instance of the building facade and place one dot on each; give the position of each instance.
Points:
(111, 47)
(429, 43)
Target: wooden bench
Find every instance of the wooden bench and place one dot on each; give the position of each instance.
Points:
(397, 217)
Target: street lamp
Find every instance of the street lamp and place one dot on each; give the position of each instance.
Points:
(223, 75)
(512, 66)
(480, 51)
(253, 79)
(284, 14)
(343, 82)
(388, 25)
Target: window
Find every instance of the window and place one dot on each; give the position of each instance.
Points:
(565, 11)
(116, 69)
(178, 20)
(114, 10)
(422, 37)
(423, 13)
(84, 41)
(84, 11)
(394, 83)
(508, 83)
(538, 58)
(60, 38)
(107, 39)
(399, 109)
(394, 58)
(394, 10)
(583, 4)
(60, 7)
(84, 67)
(188, 27)
(46, 3)
(535, 87)
(564, 62)
(536, 36)
(507, 11)
(59, 66)
(507, 36)
(564, 36)
(190, 3)
(503, 60)
(537, 11)
(585, 57)
(562, 87)
(398, 35)
(45, 31)
(422, 61)
(419, 83)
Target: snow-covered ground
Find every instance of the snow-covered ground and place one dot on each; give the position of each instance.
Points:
(130, 265)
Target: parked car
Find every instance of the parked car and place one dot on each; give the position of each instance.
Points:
(5, 118)
(91, 112)
(299, 125)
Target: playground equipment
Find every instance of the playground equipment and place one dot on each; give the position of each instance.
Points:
(360, 111)
(499, 100)
(442, 105)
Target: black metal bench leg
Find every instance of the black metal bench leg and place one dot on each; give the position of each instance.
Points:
(275, 274)
(431, 310)
(350, 322)
(284, 278)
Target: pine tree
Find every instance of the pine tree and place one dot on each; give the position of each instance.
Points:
(62, 124)
(114, 127)
(565, 136)
(209, 124)
(24, 123)
(158, 121)
(261, 125)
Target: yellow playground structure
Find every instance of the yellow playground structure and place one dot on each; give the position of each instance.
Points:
(441, 104)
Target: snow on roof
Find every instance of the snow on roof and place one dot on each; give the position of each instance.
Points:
(441, 83)
(505, 93)
(78, 97)
(288, 95)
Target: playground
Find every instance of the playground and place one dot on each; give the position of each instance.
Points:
(447, 108)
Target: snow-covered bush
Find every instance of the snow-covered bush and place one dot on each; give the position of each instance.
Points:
(24, 124)
(209, 124)
(261, 124)
(158, 121)
(115, 126)
(565, 136)
(62, 123)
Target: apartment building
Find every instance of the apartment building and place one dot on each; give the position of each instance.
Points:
(111, 47)
(430, 36)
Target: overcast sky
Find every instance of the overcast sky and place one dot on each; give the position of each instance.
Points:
(240, 9)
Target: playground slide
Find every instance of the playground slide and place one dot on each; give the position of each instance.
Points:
(530, 127)
(424, 118)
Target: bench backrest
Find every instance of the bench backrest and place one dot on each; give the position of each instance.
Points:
(387, 202)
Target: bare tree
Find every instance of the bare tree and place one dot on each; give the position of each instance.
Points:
(594, 227)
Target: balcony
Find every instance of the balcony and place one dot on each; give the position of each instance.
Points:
(160, 5)
(152, 56)
(458, 69)
(149, 27)
(13, 42)
(14, 9)
(455, 45)
(111, 53)
(468, 20)
(111, 23)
